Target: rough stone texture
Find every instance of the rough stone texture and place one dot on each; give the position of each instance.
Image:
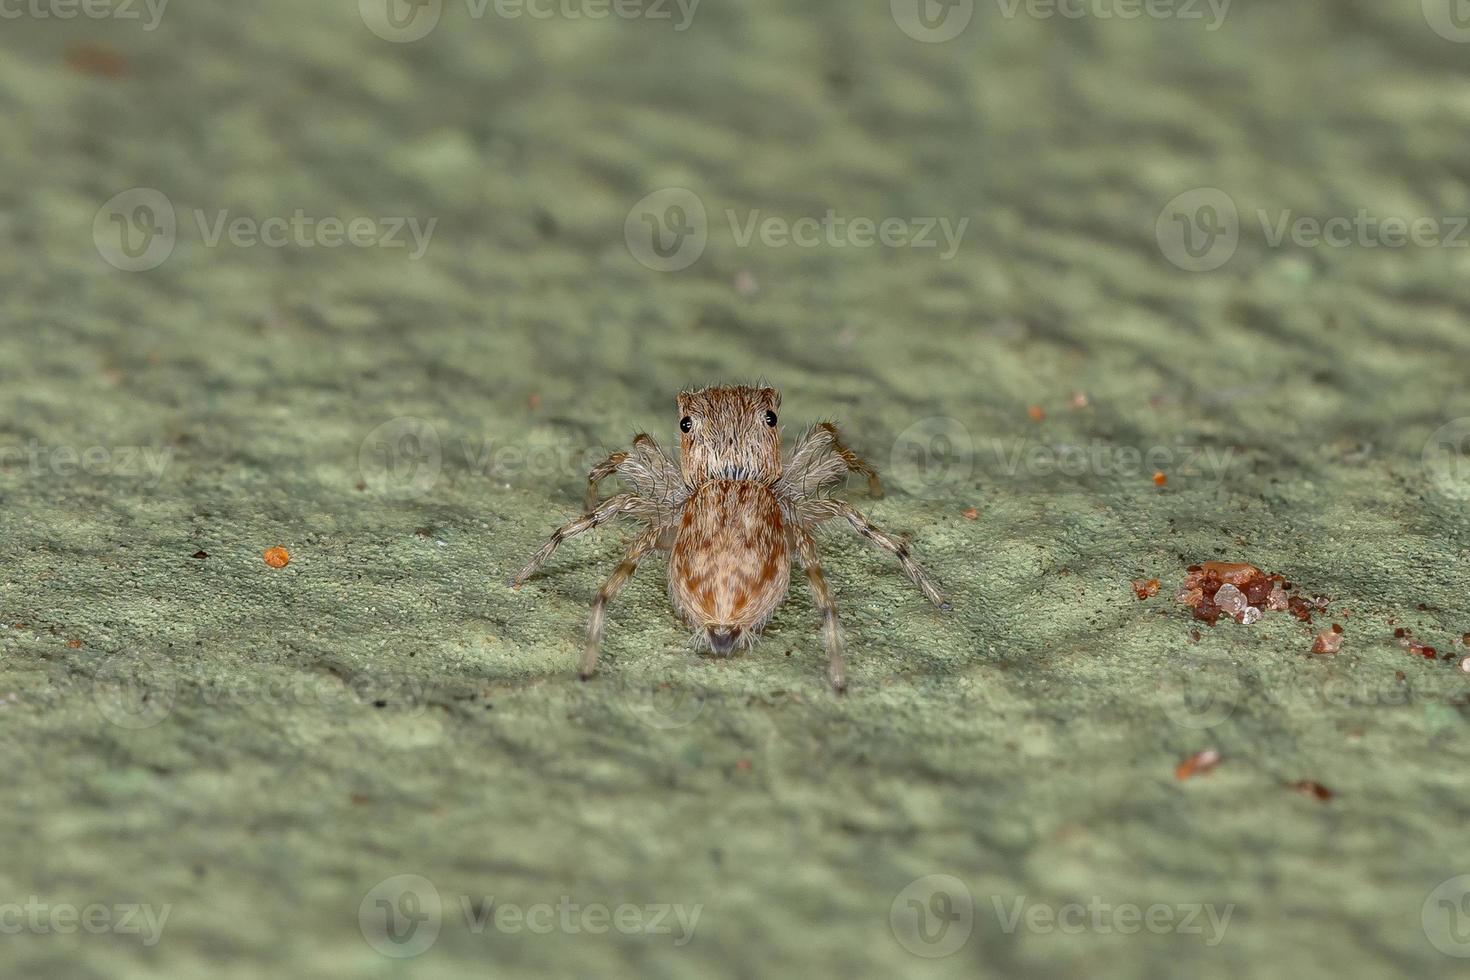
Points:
(1024, 744)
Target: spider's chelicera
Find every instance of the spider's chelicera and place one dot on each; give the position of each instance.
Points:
(732, 516)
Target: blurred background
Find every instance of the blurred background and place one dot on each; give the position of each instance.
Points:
(1104, 288)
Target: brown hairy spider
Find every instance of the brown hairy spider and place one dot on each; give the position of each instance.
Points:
(730, 515)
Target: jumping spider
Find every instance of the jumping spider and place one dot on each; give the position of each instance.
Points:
(731, 515)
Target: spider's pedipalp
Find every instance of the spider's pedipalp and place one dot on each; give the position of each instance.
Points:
(600, 472)
(646, 471)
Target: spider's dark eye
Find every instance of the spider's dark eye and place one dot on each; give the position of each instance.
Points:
(770, 418)
(685, 424)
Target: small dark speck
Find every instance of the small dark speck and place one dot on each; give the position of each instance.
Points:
(380, 704)
(201, 555)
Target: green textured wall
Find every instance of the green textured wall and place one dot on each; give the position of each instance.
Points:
(258, 754)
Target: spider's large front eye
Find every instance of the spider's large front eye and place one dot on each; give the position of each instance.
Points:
(770, 418)
(685, 424)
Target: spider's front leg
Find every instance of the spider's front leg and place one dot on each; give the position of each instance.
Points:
(610, 508)
(815, 511)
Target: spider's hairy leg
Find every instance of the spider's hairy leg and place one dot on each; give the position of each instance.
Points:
(821, 459)
(814, 512)
(641, 546)
(811, 562)
(609, 509)
(600, 472)
(854, 462)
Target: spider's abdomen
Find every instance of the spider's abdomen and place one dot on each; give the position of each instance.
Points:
(730, 566)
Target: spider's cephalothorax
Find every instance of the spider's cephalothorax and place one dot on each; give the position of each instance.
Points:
(731, 516)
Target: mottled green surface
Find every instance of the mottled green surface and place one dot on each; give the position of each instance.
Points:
(386, 706)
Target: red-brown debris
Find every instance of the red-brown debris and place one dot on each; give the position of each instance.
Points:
(96, 58)
(1309, 788)
(1241, 591)
(1419, 650)
(1328, 641)
(1145, 588)
(1197, 764)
